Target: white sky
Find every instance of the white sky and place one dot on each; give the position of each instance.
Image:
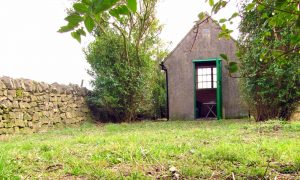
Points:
(30, 46)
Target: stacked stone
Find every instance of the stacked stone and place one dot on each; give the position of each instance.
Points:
(28, 106)
(296, 115)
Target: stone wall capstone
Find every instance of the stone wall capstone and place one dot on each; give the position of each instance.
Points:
(28, 106)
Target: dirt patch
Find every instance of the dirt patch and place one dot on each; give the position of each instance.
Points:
(124, 169)
(54, 167)
(152, 171)
(4, 138)
(157, 171)
(288, 177)
(71, 177)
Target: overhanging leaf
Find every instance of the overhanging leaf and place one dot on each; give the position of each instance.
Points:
(223, 27)
(132, 5)
(114, 13)
(222, 20)
(233, 16)
(216, 7)
(76, 35)
(238, 54)
(67, 28)
(87, 2)
(74, 19)
(225, 33)
(201, 15)
(121, 10)
(103, 5)
(81, 32)
(250, 6)
(211, 2)
(89, 24)
(223, 3)
(260, 7)
(233, 67)
(80, 7)
(224, 56)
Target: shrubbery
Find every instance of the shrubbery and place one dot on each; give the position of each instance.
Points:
(124, 91)
(269, 66)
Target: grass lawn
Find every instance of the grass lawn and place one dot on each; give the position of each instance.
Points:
(241, 149)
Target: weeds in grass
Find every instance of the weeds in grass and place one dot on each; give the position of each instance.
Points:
(208, 149)
(6, 168)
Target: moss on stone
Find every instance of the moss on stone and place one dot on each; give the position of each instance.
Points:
(19, 93)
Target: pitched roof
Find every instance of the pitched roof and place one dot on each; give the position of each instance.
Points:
(198, 23)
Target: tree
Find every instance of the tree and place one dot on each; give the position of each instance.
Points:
(269, 51)
(283, 13)
(117, 92)
(269, 63)
(123, 55)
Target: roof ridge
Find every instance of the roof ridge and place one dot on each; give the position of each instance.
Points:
(207, 16)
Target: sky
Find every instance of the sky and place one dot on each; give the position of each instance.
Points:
(31, 47)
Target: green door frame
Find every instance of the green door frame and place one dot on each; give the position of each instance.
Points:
(219, 85)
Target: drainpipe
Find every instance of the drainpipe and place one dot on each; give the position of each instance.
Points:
(163, 67)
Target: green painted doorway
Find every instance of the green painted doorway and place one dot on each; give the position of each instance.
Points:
(218, 95)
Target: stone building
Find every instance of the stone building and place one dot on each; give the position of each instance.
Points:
(199, 85)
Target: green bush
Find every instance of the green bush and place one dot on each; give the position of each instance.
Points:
(123, 90)
(270, 66)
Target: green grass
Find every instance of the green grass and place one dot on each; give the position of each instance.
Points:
(147, 150)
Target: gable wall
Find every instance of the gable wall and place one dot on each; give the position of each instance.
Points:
(180, 72)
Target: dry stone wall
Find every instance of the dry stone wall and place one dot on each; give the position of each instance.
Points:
(28, 106)
(296, 115)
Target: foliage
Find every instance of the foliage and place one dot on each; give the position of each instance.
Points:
(6, 167)
(159, 96)
(122, 89)
(198, 150)
(269, 50)
(86, 14)
(111, 76)
(269, 62)
(124, 55)
(280, 13)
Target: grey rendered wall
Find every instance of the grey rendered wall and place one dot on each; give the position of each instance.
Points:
(180, 72)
